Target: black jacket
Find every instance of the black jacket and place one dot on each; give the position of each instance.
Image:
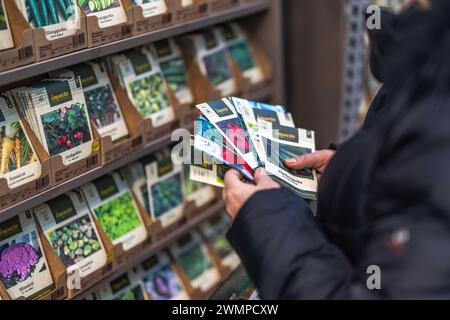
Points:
(384, 199)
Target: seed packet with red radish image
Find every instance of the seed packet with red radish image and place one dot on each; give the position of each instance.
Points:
(223, 116)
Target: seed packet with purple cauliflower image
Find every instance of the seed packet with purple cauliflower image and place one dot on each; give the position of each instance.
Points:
(24, 271)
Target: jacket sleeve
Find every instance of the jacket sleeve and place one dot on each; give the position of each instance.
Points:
(288, 257)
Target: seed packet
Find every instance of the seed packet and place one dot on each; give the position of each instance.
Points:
(68, 226)
(6, 40)
(241, 52)
(113, 205)
(57, 112)
(283, 143)
(192, 255)
(125, 287)
(103, 108)
(19, 163)
(212, 174)
(24, 271)
(161, 280)
(213, 59)
(169, 58)
(58, 18)
(151, 8)
(164, 183)
(144, 83)
(222, 115)
(251, 112)
(215, 230)
(135, 175)
(108, 12)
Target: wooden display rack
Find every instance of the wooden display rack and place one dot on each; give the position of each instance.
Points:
(149, 24)
(197, 9)
(219, 5)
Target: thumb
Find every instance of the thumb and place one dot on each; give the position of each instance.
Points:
(307, 160)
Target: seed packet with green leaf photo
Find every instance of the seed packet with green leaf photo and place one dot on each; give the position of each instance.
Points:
(58, 18)
(19, 163)
(113, 205)
(108, 12)
(151, 8)
(168, 56)
(215, 230)
(192, 255)
(24, 271)
(125, 287)
(103, 107)
(145, 86)
(241, 52)
(6, 40)
(213, 59)
(161, 280)
(57, 112)
(165, 188)
(67, 223)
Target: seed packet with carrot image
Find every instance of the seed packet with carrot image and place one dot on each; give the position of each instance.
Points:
(19, 163)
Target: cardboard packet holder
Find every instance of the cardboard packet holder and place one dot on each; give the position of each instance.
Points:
(97, 36)
(23, 52)
(57, 272)
(192, 210)
(149, 24)
(198, 9)
(47, 49)
(220, 5)
(12, 196)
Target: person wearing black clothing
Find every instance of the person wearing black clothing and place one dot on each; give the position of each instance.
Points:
(383, 200)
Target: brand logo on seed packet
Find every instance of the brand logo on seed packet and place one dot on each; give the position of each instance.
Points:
(86, 74)
(139, 62)
(10, 228)
(120, 283)
(58, 92)
(106, 186)
(162, 48)
(150, 262)
(62, 208)
(220, 108)
(287, 134)
(210, 39)
(228, 33)
(266, 115)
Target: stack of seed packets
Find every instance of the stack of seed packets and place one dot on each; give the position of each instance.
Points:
(244, 135)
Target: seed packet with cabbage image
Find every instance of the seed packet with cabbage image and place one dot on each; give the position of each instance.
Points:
(113, 205)
(24, 270)
(192, 255)
(108, 12)
(161, 280)
(67, 223)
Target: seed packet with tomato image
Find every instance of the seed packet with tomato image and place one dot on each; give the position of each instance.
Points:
(223, 116)
(209, 140)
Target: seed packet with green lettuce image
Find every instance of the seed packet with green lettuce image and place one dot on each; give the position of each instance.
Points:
(241, 52)
(283, 143)
(108, 12)
(24, 270)
(192, 255)
(161, 280)
(113, 205)
(213, 59)
(19, 163)
(215, 230)
(145, 86)
(168, 56)
(102, 105)
(67, 223)
(6, 40)
(165, 188)
(151, 8)
(58, 18)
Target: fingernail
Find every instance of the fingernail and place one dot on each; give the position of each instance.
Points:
(291, 161)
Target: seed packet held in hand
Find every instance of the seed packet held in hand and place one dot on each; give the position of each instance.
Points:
(103, 108)
(113, 205)
(24, 271)
(251, 112)
(192, 255)
(161, 279)
(19, 163)
(165, 188)
(284, 143)
(108, 12)
(67, 223)
(222, 114)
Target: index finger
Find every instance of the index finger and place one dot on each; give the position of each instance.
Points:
(232, 178)
(307, 160)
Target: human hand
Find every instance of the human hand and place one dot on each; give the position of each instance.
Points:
(237, 193)
(317, 161)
